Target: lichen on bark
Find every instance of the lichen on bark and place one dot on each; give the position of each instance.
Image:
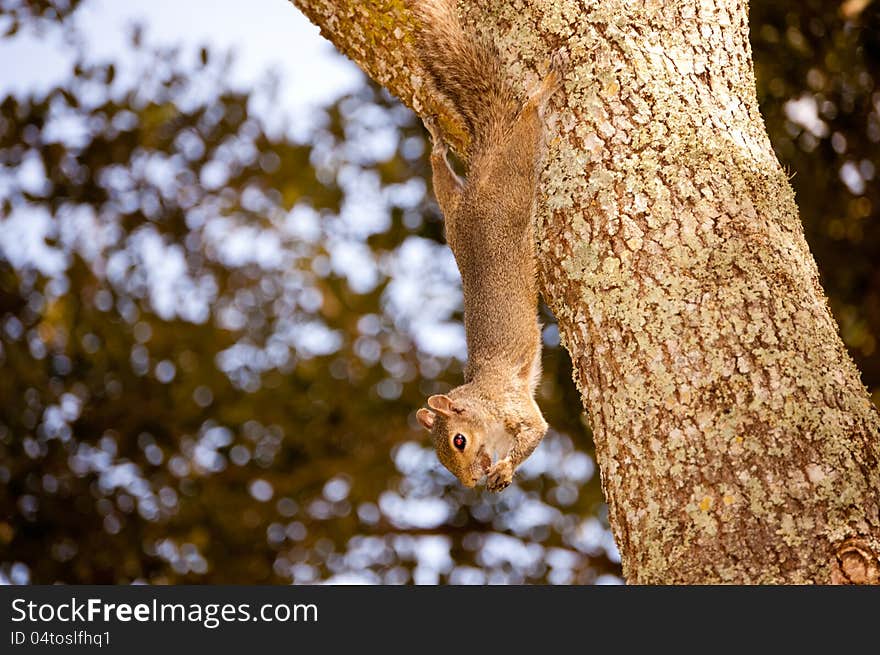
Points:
(735, 439)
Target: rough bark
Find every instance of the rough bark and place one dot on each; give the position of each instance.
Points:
(735, 439)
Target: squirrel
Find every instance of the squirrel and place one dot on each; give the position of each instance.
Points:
(489, 220)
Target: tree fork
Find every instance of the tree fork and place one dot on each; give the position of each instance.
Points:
(735, 439)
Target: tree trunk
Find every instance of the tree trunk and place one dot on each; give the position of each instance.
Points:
(735, 439)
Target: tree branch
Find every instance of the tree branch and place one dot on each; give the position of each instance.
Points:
(735, 438)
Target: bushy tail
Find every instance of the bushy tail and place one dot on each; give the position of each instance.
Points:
(466, 70)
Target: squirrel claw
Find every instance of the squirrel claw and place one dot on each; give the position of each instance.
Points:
(551, 82)
(430, 123)
(559, 62)
(438, 144)
(500, 475)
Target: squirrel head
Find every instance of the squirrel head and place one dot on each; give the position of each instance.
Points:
(459, 434)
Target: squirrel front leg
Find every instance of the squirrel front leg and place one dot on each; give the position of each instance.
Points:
(527, 438)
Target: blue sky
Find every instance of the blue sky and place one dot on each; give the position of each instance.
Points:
(264, 35)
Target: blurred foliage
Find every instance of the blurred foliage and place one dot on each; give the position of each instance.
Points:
(15, 13)
(213, 340)
(818, 71)
(213, 337)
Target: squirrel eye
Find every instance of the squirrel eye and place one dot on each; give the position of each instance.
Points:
(459, 441)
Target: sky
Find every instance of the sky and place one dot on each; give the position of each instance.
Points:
(264, 35)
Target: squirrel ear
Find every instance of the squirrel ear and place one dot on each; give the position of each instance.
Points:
(426, 418)
(442, 404)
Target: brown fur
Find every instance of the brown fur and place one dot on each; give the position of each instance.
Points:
(467, 71)
(490, 229)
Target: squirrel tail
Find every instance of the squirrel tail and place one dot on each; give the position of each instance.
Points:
(465, 69)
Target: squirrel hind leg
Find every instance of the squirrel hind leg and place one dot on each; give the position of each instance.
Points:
(550, 83)
(448, 186)
(439, 145)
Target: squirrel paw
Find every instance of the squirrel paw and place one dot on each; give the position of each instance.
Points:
(551, 82)
(500, 475)
(559, 62)
(430, 123)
